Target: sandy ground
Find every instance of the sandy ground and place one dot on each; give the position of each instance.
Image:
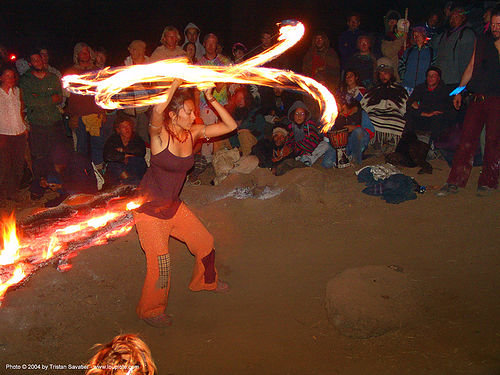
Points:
(278, 255)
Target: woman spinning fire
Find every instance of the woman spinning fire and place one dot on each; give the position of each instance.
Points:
(173, 136)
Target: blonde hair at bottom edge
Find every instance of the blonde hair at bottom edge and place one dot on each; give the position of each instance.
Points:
(125, 355)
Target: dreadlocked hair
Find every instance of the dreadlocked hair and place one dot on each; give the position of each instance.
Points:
(124, 355)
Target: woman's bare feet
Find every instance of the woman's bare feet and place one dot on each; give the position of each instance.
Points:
(222, 287)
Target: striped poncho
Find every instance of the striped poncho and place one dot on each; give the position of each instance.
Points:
(385, 105)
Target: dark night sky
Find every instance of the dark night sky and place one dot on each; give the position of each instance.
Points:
(112, 24)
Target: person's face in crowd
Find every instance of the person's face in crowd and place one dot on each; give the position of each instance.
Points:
(419, 38)
(384, 76)
(266, 40)
(238, 54)
(171, 39)
(456, 19)
(211, 45)
(279, 139)
(278, 91)
(137, 51)
(192, 34)
(364, 45)
(239, 99)
(125, 130)
(45, 56)
(100, 59)
(495, 27)
(36, 62)
(319, 42)
(432, 79)
(433, 20)
(487, 16)
(84, 55)
(185, 116)
(299, 116)
(353, 22)
(190, 51)
(8, 79)
(350, 79)
(392, 23)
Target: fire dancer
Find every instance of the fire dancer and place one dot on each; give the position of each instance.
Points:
(173, 136)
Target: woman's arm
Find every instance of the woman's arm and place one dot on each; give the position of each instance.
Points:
(227, 124)
(158, 110)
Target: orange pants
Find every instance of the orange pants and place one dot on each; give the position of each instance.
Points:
(154, 234)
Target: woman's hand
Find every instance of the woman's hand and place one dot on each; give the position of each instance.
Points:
(209, 94)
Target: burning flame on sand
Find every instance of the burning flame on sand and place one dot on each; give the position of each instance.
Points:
(20, 257)
(139, 85)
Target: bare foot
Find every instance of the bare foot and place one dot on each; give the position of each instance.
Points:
(159, 321)
(222, 287)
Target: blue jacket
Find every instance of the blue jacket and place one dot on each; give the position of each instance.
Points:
(413, 65)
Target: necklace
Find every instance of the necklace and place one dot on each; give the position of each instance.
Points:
(182, 138)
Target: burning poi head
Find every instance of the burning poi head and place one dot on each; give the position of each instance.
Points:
(140, 85)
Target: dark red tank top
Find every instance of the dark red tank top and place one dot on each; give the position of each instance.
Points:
(163, 181)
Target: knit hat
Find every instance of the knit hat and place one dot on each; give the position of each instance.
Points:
(435, 69)
(280, 130)
(385, 64)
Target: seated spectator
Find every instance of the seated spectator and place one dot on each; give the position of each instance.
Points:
(304, 136)
(13, 134)
(322, 59)
(124, 153)
(65, 172)
(351, 90)
(416, 60)
(363, 62)
(427, 117)
(275, 103)
(125, 355)
(385, 105)
(271, 152)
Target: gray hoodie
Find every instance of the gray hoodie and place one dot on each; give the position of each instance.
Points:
(200, 50)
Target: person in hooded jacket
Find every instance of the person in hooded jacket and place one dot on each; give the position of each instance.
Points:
(192, 34)
(304, 136)
(321, 60)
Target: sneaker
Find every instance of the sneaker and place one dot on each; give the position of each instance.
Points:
(484, 191)
(447, 189)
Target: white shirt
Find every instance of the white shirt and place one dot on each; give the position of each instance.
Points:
(11, 122)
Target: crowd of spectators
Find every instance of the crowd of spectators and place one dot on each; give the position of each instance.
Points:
(392, 90)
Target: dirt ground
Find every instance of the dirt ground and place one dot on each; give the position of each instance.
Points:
(278, 255)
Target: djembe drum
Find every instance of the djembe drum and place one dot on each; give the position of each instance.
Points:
(338, 140)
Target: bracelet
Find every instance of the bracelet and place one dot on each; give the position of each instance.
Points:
(205, 133)
(211, 99)
(155, 127)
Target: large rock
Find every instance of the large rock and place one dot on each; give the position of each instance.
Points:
(371, 301)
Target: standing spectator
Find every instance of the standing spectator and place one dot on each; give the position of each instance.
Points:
(169, 45)
(392, 44)
(385, 105)
(432, 25)
(454, 48)
(100, 58)
(348, 39)
(44, 53)
(481, 76)
(239, 51)
(267, 39)
(416, 60)
(363, 62)
(137, 50)
(12, 134)
(86, 118)
(192, 35)
(42, 92)
(190, 49)
(322, 61)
